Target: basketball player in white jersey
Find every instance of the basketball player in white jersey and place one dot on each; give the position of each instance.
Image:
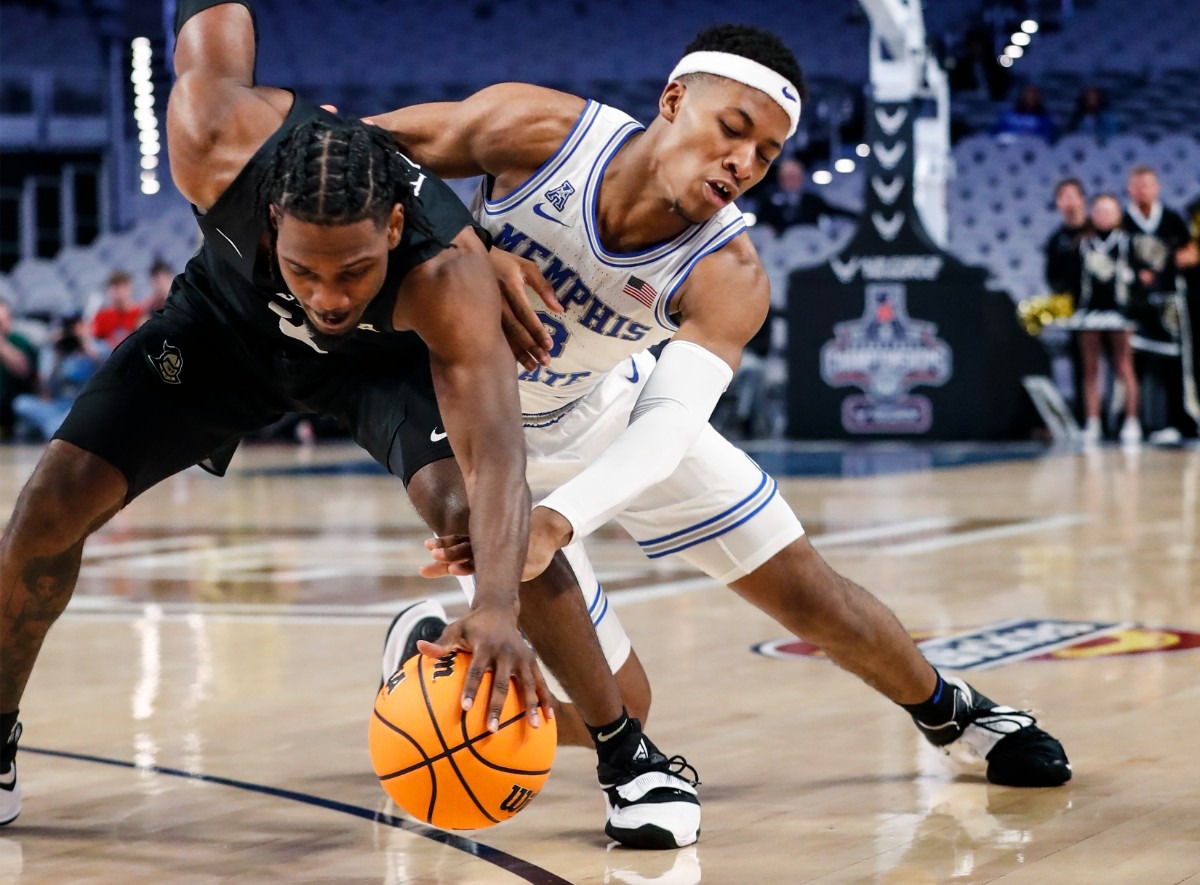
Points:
(635, 231)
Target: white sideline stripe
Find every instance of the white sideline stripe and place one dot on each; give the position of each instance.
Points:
(913, 548)
(878, 532)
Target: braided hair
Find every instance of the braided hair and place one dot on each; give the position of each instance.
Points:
(755, 44)
(338, 171)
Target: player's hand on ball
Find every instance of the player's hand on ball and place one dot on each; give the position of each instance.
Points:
(549, 532)
(523, 329)
(491, 635)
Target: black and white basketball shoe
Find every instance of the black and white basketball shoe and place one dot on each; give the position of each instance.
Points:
(650, 799)
(1016, 752)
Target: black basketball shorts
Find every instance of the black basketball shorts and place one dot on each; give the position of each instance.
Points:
(184, 390)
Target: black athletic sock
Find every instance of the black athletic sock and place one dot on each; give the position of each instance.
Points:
(608, 738)
(7, 722)
(938, 709)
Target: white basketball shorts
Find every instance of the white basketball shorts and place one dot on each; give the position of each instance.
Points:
(718, 511)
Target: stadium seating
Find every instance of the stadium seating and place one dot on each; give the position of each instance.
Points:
(1000, 200)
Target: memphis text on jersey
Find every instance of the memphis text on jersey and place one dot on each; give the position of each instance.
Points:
(593, 314)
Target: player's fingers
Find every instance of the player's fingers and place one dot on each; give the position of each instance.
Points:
(534, 327)
(463, 569)
(441, 541)
(480, 663)
(453, 553)
(501, 679)
(519, 340)
(544, 694)
(434, 570)
(433, 649)
(332, 108)
(531, 682)
(538, 283)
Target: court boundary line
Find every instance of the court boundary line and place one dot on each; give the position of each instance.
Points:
(523, 869)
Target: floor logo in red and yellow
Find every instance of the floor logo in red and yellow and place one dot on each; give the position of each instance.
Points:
(1004, 642)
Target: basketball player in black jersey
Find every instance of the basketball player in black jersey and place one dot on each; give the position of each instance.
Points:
(337, 278)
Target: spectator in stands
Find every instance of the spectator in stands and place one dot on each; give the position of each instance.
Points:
(161, 277)
(1157, 235)
(1092, 116)
(978, 70)
(1027, 117)
(18, 368)
(788, 203)
(1063, 267)
(74, 357)
(120, 315)
(1109, 292)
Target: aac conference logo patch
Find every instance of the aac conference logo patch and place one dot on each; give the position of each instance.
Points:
(1005, 642)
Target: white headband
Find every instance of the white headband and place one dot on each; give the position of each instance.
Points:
(745, 71)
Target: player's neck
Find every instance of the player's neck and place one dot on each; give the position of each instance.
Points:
(631, 213)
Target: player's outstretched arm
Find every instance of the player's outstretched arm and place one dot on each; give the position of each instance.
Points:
(507, 131)
(216, 116)
(453, 302)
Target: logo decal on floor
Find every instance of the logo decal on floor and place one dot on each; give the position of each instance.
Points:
(1035, 639)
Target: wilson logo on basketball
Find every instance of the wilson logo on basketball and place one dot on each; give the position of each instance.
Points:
(1004, 642)
(394, 680)
(517, 799)
(444, 666)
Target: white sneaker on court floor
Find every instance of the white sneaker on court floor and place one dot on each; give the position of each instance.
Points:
(10, 790)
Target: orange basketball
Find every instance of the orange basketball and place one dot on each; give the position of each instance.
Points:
(442, 765)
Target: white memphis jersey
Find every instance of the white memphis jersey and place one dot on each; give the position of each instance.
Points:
(616, 305)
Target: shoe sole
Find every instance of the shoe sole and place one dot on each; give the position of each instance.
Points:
(648, 838)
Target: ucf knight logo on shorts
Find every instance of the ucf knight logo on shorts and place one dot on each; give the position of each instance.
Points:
(169, 363)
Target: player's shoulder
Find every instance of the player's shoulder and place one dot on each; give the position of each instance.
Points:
(736, 261)
(734, 267)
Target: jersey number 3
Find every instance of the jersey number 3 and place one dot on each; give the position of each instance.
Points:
(558, 333)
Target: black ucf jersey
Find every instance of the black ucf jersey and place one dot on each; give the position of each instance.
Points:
(233, 277)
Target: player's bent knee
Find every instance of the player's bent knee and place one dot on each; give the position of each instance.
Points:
(70, 494)
(439, 494)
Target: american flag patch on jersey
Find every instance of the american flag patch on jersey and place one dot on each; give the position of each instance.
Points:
(640, 290)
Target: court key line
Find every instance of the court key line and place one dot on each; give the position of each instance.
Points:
(523, 869)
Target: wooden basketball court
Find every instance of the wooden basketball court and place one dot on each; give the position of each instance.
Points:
(199, 713)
